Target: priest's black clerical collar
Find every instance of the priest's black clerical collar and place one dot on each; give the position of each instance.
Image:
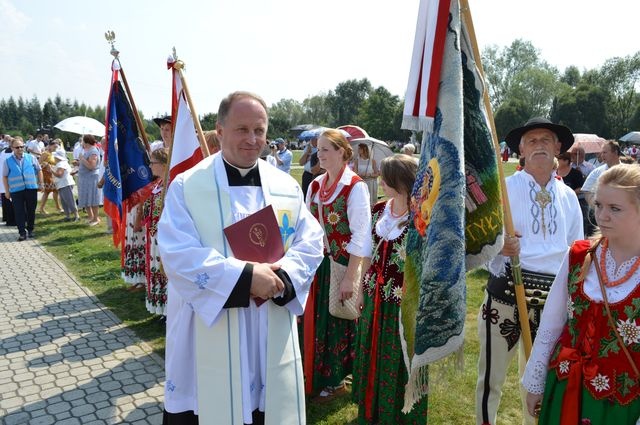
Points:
(235, 175)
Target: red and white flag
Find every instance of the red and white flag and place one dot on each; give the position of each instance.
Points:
(426, 64)
(186, 151)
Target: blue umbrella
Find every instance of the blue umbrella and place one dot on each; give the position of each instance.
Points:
(311, 134)
(316, 132)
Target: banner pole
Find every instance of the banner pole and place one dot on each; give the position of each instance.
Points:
(142, 132)
(523, 312)
(179, 65)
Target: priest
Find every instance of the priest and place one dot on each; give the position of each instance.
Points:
(231, 356)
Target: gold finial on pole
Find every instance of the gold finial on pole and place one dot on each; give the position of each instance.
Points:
(176, 63)
(111, 39)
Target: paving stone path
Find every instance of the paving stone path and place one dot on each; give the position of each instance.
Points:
(65, 359)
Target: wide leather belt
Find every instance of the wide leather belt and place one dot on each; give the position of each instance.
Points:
(536, 287)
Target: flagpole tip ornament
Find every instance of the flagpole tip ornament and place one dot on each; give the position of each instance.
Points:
(178, 65)
(565, 136)
(110, 36)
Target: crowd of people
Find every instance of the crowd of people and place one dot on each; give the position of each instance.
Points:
(341, 244)
(43, 165)
(254, 338)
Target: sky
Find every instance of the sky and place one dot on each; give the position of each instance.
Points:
(276, 48)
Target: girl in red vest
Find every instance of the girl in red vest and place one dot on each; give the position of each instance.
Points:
(584, 365)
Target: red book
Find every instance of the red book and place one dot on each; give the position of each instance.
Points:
(256, 238)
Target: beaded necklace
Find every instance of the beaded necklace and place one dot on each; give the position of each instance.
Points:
(623, 279)
(402, 214)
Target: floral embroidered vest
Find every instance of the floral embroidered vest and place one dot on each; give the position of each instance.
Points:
(152, 208)
(386, 273)
(588, 344)
(335, 220)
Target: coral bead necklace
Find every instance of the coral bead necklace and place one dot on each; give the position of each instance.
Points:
(623, 279)
(326, 192)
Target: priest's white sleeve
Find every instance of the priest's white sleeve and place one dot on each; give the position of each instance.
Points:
(202, 276)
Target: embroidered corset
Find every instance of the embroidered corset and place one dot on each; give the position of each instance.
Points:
(336, 221)
(152, 208)
(387, 266)
(588, 344)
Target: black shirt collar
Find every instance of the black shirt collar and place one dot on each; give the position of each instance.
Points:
(252, 178)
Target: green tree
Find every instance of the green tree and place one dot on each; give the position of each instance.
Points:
(3, 114)
(536, 87)
(346, 100)
(34, 111)
(208, 121)
(634, 122)
(22, 108)
(510, 115)
(283, 115)
(376, 114)
(571, 76)
(619, 77)
(49, 113)
(11, 117)
(26, 126)
(582, 109)
(317, 110)
(398, 134)
(502, 65)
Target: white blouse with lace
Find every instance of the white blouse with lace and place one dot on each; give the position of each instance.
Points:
(558, 308)
(388, 226)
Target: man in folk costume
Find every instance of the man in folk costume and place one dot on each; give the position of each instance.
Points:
(230, 360)
(166, 133)
(547, 219)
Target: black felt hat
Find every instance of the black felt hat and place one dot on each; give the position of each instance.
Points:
(565, 136)
(162, 120)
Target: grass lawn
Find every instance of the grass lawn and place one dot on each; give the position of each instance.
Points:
(88, 253)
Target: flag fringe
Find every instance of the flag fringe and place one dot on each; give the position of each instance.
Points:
(423, 123)
(416, 388)
(418, 383)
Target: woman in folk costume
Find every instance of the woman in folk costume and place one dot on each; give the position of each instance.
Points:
(380, 374)
(346, 218)
(132, 257)
(156, 296)
(584, 365)
(365, 166)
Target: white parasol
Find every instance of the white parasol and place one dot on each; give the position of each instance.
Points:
(591, 143)
(82, 125)
(378, 150)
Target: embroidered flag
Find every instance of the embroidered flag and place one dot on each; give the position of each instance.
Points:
(185, 151)
(127, 175)
(456, 209)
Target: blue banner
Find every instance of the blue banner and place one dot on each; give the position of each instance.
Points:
(127, 169)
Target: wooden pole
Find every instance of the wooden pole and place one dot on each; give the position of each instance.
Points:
(523, 312)
(179, 65)
(143, 134)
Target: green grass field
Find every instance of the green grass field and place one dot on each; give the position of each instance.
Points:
(88, 253)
